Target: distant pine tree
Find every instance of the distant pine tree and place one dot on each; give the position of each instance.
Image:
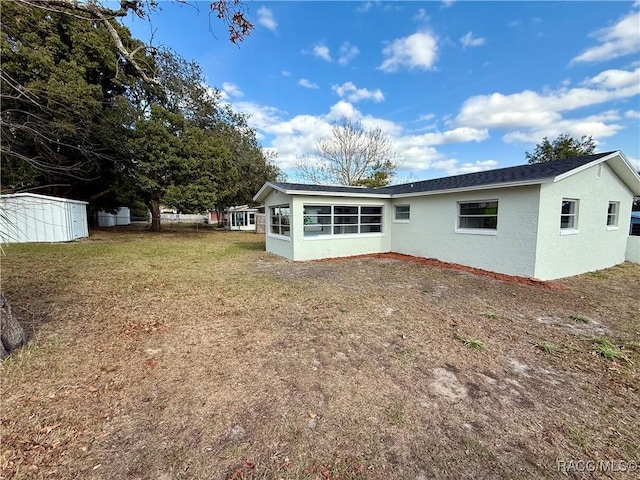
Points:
(561, 148)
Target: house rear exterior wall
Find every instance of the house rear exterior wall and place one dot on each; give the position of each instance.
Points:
(332, 246)
(593, 247)
(431, 230)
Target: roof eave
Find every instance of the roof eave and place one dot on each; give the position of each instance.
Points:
(264, 191)
(337, 194)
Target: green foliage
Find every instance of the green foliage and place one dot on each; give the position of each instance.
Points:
(578, 318)
(547, 347)
(380, 175)
(472, 342)
(61, 80)
(561, 148)
(606, 349)
(80, 120)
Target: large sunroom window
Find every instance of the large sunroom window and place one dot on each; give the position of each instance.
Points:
(280, 220)
(341, 219)
(482, 215)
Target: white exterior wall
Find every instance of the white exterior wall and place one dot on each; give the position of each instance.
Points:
(594, 246)
(431, 230)
(633, 249)
(29, 218)
(277, 244)
(331, 246)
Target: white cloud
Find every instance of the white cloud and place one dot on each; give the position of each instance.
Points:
(635, 163)
(303, 82)
(265, 18)
(322, 51)
(354, 94)
(415, 51)
(457, 135)
(534, 110)
(599, 126)
(633, 114)
(426, 117)
(286, 73)
(447, 3)
(365, 7)
(615, 41)
(468, 40)
(232, 90)
(452, 168)
(347, 53)
(421, 14)
(615, 79)
(343, 109)
(298, 136)
(261, 117)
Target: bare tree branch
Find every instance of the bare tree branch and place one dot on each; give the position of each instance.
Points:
(350, 155)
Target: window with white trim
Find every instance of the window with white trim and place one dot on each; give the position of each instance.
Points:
(481, 215)
(341, 219)
(569, 214)
(279, 220)
(402, 213)
(612, 214)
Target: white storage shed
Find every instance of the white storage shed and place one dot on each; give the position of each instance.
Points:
(28, 218)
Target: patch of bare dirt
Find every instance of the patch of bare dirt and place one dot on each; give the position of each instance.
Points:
(221, 361)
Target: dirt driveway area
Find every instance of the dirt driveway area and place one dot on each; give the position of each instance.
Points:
(196, 355)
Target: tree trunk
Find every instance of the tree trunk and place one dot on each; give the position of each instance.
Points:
(154, 206)
(11, 333)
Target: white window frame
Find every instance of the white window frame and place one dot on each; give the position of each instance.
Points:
(476, 230)
(280, 224)
(332, 225)
(407, 213)
(613, 216)
(573, 215)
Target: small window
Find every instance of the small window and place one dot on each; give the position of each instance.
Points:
(402, 213)
(478, 215)
(612, 214)
(279, 219)
(569, 215)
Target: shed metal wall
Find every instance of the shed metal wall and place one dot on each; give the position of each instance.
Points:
(27, 218)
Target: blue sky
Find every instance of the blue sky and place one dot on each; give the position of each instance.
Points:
(458, 86)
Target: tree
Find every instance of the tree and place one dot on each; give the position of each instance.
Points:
(12, 334)
(60, 80)
(69, 71)
(350, 155)
(561, 148)
(65, 65)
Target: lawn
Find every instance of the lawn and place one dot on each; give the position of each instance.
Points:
(193, 354)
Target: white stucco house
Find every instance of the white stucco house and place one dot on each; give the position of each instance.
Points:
(544, 221)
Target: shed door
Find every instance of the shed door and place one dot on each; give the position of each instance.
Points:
(77, 220)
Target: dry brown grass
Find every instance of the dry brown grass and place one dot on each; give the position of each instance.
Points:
(195, 354)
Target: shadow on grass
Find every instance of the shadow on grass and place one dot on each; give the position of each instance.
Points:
(250, 246)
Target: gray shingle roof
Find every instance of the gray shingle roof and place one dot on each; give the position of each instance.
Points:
(324, 188)
(522, 173)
